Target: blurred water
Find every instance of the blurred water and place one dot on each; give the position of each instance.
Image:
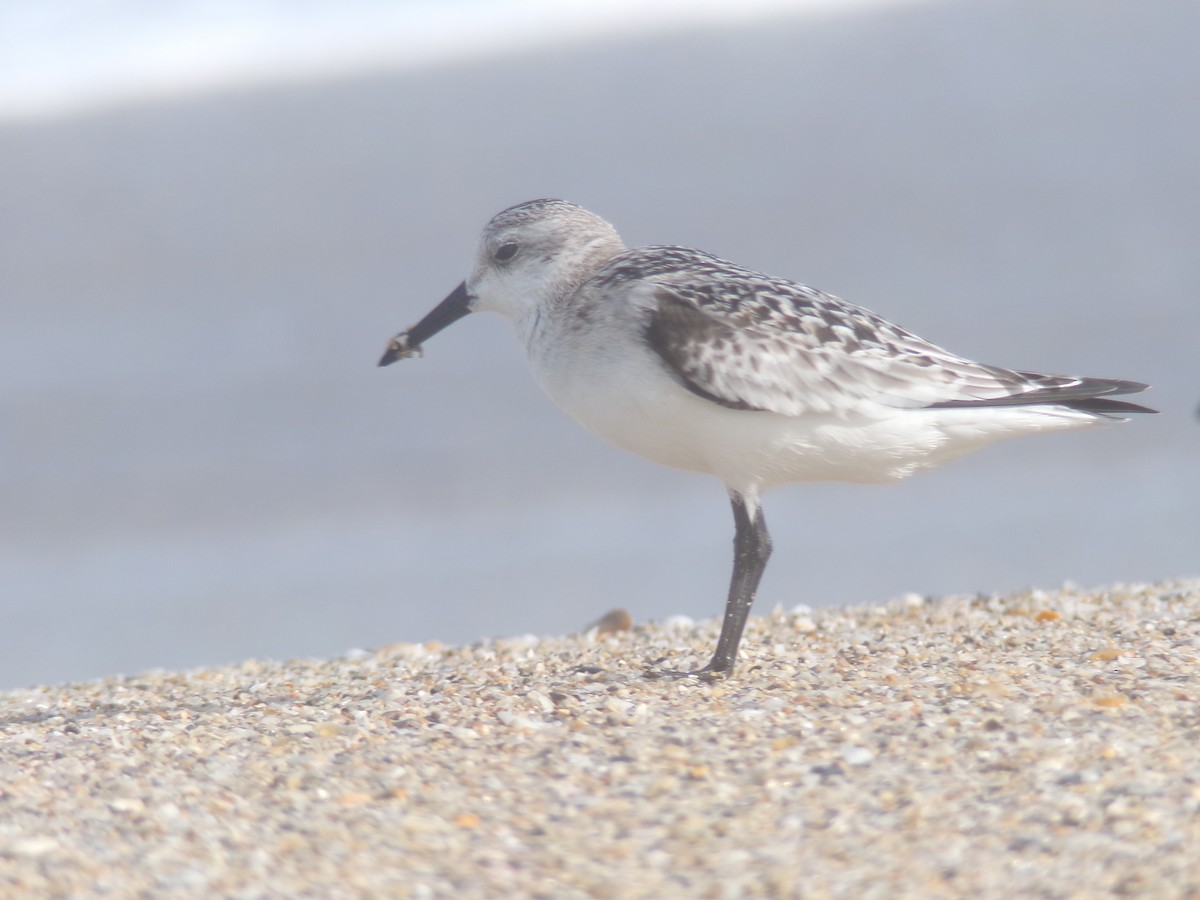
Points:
(199, 461)
(66, 55)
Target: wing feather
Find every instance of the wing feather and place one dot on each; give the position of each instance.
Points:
(751, 342)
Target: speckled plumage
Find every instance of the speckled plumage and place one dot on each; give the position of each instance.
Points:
(699, 363)
(752, 341)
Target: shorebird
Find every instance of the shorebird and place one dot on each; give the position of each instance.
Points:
(701, 364)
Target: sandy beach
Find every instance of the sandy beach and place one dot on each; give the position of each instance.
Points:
(1037, 744)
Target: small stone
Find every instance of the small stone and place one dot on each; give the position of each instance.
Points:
(857, 756)
(31, 846)
(612, 622)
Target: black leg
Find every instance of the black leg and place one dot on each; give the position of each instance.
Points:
(751, 550)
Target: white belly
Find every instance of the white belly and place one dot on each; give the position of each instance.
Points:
(625, 394)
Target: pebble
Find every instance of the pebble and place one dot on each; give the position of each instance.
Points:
(612, 621)
(1042, 743)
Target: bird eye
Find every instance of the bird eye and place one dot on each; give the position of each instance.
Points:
(506, 251)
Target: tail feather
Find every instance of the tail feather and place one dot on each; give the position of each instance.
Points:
(1088, 395)
(1102, 406)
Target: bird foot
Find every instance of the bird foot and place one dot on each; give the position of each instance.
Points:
(711, 673)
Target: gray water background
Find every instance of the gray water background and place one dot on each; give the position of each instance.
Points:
(199, 461)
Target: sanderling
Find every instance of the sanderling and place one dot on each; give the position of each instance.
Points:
(697, 363)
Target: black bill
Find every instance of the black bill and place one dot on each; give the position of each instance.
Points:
(408, 342)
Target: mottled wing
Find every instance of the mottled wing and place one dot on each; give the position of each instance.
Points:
(748, 341)
(738, 367)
